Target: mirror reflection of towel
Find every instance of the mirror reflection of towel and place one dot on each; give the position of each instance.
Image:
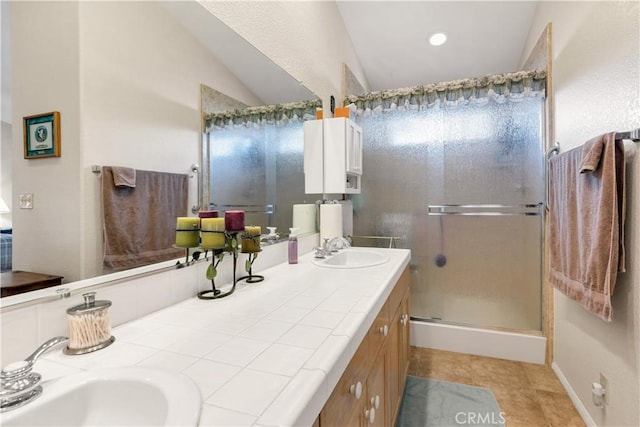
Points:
(124, 177)
(139, 223)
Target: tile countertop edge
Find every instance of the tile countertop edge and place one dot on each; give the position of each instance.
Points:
(307, 411)
(306, 393)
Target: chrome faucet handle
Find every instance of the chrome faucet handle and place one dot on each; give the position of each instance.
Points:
(44, 347)
(18, 385)
(319, 253)
(23, 367)
(338, 243)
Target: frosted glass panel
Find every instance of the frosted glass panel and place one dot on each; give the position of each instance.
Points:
(256, 167)
(478, 270)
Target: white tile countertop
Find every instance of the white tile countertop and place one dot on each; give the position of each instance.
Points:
(270, 354)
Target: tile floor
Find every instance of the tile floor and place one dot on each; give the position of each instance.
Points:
(530, 395)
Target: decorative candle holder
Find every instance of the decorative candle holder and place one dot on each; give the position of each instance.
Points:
(248, 266)
(231, 247)
(251, 245)
(212, 272)
(187, 236)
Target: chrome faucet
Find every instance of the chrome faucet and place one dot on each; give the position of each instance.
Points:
(321, 251)
(337, 243)
(331, 245)
(18, 385)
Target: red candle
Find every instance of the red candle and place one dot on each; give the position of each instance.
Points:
(208, 214)
(234, 220)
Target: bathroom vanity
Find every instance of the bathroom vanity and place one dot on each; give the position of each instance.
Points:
(310, 344)
(370, 389)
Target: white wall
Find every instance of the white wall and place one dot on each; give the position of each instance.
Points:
(597, 88)
(126, 78)
(45, 75)
(5, 113)
(306, 39)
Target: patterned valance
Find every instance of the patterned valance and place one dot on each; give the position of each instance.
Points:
(498, 88)
(268, 114)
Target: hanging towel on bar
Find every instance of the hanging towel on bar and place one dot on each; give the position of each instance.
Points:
(587, 209)
(139, 222)
(124, 177)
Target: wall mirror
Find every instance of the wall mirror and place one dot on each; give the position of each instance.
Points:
(267, 83)
(253, 161)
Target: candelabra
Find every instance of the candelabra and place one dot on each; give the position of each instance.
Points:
(220, 235)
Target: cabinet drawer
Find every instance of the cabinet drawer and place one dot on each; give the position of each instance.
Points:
(342, 403)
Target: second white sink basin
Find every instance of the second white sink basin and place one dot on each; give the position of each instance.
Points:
(352, 258)
(129, 396)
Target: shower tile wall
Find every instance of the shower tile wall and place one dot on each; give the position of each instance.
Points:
(470, 155)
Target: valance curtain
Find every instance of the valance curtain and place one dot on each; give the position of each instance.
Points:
(268, 114)
(498, 88)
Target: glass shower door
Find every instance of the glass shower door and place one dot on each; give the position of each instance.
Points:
(463, 189)
(484, 259)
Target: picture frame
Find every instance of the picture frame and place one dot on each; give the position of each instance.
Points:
(42, 135)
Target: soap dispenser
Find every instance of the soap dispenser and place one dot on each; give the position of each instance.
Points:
(293, 245)
(272, 237)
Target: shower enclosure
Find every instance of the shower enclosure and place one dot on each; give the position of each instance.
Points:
(463, 188)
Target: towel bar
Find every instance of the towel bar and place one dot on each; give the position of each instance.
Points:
(530, 209)
(392, 239)
(633, 135)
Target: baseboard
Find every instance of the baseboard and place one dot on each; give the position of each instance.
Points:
(582, 410)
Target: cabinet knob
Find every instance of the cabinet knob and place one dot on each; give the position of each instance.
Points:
(356, 390)
(370, 414)
(404, 319)
(375, 402)
(384, 330)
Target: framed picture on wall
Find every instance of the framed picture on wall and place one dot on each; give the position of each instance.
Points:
(42, 135)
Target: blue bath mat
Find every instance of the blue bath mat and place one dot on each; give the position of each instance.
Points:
(432, 403)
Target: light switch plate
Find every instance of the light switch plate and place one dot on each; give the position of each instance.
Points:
(26, 201)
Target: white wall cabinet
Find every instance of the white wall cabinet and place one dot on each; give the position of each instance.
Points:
(332, 156)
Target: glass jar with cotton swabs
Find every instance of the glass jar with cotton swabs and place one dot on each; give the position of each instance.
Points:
(89, 326)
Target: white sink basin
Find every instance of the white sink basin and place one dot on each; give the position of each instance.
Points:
(113, 397)
(352, 258)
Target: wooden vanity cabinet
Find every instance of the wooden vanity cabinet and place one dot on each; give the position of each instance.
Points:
(380, 366)
(346, 402)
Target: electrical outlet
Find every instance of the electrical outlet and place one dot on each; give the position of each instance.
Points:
(604, 382)
(26, 201)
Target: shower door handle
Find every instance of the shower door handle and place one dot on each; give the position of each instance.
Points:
(532, 209)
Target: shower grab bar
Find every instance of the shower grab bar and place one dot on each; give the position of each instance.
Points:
(196, 171)
(555, 149)
(529, 209)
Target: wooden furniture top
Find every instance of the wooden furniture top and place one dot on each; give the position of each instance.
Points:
(17, 282)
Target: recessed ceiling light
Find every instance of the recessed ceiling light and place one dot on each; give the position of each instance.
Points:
(437, 39)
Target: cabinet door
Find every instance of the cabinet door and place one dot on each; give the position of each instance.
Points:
(395, 383)
(353, 147)
(357, 142)
(405, 325)
(375, 407)
(346, 403)
(313, 157)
